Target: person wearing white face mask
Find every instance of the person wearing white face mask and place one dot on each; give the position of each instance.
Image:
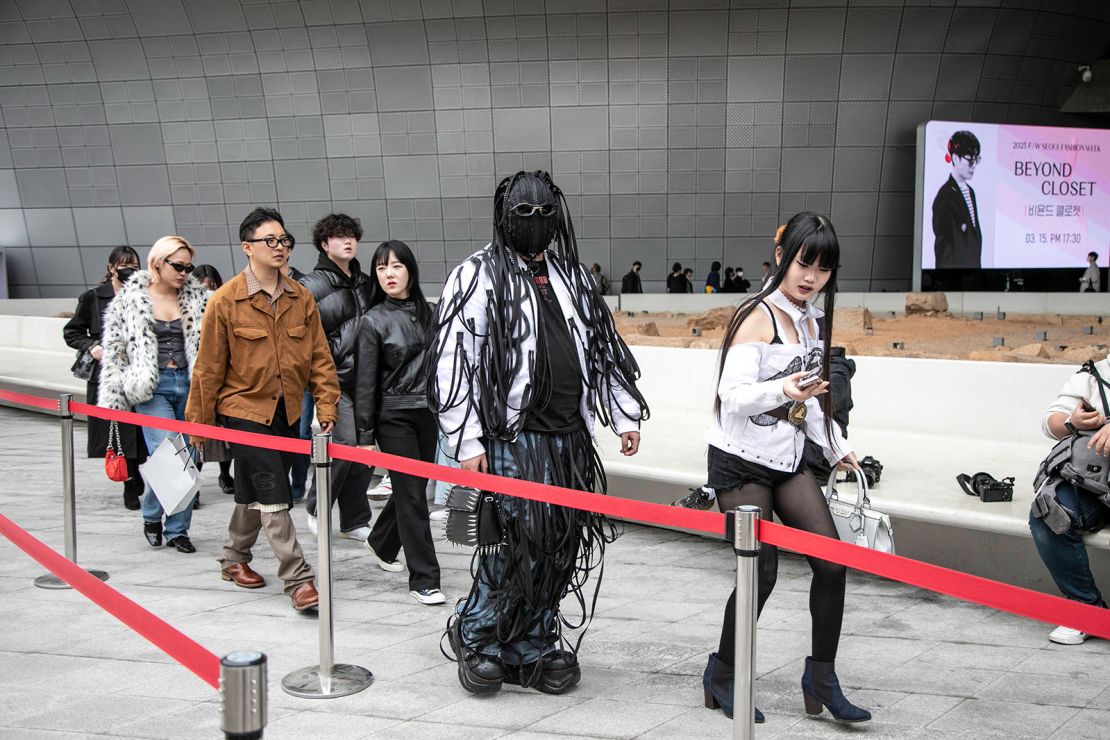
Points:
(82, 332)
(391, 413)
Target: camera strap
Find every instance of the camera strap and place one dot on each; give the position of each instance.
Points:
(1089, 367)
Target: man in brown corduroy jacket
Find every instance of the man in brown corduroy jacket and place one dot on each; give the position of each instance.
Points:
(261, 345)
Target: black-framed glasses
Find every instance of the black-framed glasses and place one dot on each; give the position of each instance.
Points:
(971, 159)
(527, 209)
(180, 267)
(273, 242)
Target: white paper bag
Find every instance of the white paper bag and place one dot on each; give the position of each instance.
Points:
(170, 472)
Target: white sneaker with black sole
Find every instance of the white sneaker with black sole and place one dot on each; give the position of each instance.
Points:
(382, 491)
(429, 596)
(391, 566)
(1067, 636)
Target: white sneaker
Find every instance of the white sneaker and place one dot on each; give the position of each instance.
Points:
(429, 596)
(438, 516)
(390, 566)
(1067, 636)
(382, 491)
(311, 523)
(359, 533)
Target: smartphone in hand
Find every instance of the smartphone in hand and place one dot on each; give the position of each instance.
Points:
(809, 380)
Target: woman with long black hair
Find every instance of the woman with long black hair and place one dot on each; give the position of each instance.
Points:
(391, 412)
(764, 410)
(82, 332)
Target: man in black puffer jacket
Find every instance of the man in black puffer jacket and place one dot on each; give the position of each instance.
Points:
(342, 294)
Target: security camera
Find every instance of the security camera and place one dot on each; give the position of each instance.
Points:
(1085, 73)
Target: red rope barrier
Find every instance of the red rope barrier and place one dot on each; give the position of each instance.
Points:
(165, 636)
(1020, 601)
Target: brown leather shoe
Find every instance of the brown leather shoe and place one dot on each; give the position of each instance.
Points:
(241, 575)
(304, 597)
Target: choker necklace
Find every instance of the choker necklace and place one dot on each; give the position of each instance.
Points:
(800, 305)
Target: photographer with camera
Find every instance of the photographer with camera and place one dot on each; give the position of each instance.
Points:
(1064, 511)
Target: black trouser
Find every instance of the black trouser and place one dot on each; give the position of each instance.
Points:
(349, 480)
(403, 522)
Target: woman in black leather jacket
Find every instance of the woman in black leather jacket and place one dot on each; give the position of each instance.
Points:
(391, 412)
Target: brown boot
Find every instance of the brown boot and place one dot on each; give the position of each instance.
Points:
(242, 575)
(304, 597)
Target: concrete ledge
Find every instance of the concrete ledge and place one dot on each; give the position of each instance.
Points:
(1068, 304)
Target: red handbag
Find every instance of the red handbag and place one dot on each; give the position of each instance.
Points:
(115, 464)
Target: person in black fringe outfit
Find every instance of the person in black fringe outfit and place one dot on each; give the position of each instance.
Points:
(526, 356)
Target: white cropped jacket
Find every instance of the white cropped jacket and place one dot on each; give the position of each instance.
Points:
(751, 385)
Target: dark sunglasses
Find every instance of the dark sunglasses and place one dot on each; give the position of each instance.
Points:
(180, 267)
(527, 209)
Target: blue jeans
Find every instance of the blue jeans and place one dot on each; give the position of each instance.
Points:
(480, 612)
(168, 402)
(443, 457)
(1065, 555)
(299, 472)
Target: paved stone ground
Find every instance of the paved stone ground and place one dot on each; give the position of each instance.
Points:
(926, 666)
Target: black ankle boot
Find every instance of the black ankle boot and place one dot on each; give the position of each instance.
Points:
(820, 687)
(153, 533)
(719, 680)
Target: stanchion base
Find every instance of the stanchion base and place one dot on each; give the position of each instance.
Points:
(51, 581)
(307, 683)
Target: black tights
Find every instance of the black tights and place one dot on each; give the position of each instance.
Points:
(798, 502)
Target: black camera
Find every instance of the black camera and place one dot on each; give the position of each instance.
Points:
(986, 487)
(872, 471)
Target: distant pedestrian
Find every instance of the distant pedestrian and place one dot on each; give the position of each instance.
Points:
(676, 283)
(1091, 282)
(743, 285)
(630, 283)
(767, 274)
(600, 281)
(713, 279)
(688, 280)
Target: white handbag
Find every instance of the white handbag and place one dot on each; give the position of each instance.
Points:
(857, 522)
(172, 475)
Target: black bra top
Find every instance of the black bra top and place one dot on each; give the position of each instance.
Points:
(776, 339)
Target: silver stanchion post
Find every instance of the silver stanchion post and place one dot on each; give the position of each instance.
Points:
(243, 695)
(745, 542)
(69, 498)
(328, 679)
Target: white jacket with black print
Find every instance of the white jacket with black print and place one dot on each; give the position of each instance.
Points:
(751, 385)
(129, 366)
(464, 337)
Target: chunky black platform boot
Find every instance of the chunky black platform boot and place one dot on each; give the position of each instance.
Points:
(478, 673)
